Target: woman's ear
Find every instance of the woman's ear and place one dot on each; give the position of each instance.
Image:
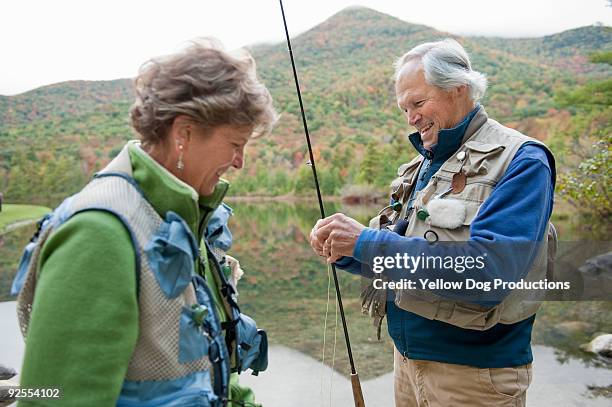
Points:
(180, 132)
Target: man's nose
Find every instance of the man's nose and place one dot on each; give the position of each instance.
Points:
(413, 117)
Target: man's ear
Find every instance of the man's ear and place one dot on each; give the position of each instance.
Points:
(462, 90)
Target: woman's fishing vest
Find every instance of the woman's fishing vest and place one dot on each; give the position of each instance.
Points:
(467, 177)
(180, 356)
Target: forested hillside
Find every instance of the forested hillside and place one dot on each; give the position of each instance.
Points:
(53, 138)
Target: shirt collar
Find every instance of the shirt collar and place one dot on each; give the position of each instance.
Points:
(449, 140)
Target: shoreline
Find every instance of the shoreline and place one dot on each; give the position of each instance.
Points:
(16, 225)
(300, 198)
(280, 198)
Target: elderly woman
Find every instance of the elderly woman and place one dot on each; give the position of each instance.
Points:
(128, 308)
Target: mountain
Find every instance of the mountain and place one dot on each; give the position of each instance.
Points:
(65, 99)
(566, 43)
(345, 67)
(566, 50)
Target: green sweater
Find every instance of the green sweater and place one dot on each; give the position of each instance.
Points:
(84, 322)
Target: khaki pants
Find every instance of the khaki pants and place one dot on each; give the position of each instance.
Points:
(423, 383)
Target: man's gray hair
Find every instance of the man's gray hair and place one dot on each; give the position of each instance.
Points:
(445, 65)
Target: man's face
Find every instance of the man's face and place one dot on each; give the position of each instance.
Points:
(428, 108)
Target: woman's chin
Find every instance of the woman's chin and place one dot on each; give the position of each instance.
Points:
(208, 189)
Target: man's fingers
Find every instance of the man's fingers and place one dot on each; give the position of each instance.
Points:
(323, 227)
(325, 221)
(333, 254)
(317, 246)
(316, 243)
(323, 236)
(327, 248)
(323, 232)
(330, 249)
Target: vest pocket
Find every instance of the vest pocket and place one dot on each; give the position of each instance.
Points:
(193, 390)
(191, 398)
(193, 341)
(171, 254)
(405, 175)
(476, 160)
(252, 346)
(451, 213)
(472, 196)
(477, 157)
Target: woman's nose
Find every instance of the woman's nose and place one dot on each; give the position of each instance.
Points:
(238, 161)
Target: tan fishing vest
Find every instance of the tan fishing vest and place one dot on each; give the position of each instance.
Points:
(485, 154)
(156, 355)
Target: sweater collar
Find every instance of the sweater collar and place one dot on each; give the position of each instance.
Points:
(165, 192)
(449, 140)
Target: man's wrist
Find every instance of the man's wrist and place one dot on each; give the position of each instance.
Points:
(343, 261)
(361, 245)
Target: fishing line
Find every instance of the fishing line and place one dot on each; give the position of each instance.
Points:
(325, 333)
(333, 364)
(355, 383)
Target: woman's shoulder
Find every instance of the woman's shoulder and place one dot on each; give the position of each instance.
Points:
(91, 234)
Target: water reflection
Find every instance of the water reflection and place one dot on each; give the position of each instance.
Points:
(301, 286)
(285, 289)
(11, 245)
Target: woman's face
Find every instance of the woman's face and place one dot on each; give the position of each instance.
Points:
(208, 155)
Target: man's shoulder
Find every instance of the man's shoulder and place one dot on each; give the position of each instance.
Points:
(493, 127)
(533, 151)
(403, 169)
(526, 147)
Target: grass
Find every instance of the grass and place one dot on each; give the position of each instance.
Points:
(12, 213)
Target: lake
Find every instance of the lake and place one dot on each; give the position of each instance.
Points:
(285, 288)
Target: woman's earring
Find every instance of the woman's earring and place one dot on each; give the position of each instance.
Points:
(180, 164)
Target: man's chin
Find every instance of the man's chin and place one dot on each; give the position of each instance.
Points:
(428, 142)
(430, 137)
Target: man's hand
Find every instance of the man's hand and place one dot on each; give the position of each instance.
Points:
(335, 236)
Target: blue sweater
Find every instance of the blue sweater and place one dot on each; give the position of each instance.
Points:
(518, 209)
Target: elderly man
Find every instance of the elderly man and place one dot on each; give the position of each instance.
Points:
(473, 181)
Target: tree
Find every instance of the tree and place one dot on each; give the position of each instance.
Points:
(370, 167)
(587, 187)
(304, 182)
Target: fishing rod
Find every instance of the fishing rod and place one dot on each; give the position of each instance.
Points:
(356, 385)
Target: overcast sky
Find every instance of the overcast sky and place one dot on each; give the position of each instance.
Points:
(49, 41)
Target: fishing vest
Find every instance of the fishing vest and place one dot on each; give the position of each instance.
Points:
(181, 355)
(474, 170)
(247, 345)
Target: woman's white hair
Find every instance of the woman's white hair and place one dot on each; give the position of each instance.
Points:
(445, 65)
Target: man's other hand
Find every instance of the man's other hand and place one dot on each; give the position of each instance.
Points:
(335, 236)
